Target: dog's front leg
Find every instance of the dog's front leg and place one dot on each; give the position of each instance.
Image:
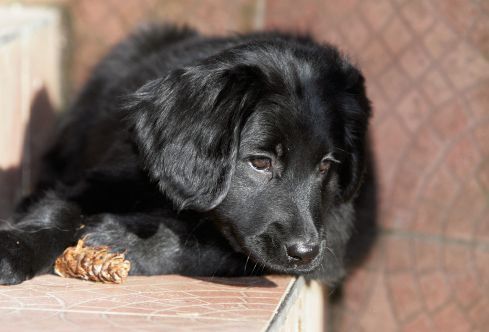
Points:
(163, 244)
(32, 241)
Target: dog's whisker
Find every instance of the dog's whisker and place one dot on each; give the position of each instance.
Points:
(223, 258)
(246, 263)
(254, 268)
(331, 251)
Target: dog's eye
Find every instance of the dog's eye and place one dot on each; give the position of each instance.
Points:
(325, 166)
(261, 163)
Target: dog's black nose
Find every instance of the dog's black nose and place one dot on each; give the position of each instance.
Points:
(303, 252)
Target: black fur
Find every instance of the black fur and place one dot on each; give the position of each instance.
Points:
(156, 157)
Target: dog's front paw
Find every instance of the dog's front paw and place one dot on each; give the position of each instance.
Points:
(14, 266)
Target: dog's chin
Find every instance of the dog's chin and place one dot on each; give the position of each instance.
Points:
(273, 263)
(293, 269)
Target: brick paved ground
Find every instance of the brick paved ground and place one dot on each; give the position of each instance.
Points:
(427, 69)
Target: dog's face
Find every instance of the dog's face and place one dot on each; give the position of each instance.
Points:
(284, 184)
(270, 139)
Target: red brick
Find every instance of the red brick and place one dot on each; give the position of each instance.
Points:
(436, 88)
(101, 24)
(419, 15)
(356, 32)
(85, 56)
(391, 138)
(428, 218)
(451, 318)
(131, 12)
(347, 6)
(394, 83)
(374, 59)
(113, 31)
(440, 187)
(464, 66)
(357, 290)
(466, 287)
(450, 120)
(220, 16)
(424, 150)
(403, 195)
(464, 212)
(415, 61)
(428, 255)
(396, 35)
(342, 320)
(377, 12)
(421, 323)
(413, 109)
(404, 294)
(481, 134)
(378, 313)
(384, 207)
(481, 229)
(456, 259)
(93, 12)
(439, 39)
(479, 34)
(291, 14)
(460, 14)
(478, 314)
(338, 12)
(484, 6)
(478, 100)
(435, 289)
(333, 36)
(398, 254)
(481, 260)
(463, 158)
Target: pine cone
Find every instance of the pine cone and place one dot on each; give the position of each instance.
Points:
(92, 263)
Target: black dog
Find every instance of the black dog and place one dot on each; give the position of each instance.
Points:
(204, 156)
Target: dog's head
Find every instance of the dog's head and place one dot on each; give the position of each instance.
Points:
(269, 137)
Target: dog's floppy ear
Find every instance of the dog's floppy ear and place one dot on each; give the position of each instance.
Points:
(356, 111)
(187, 126)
